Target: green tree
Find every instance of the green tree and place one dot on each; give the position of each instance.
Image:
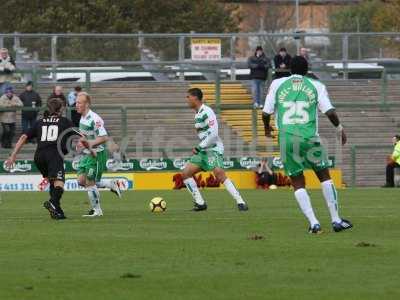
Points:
(355, 18)
(110, 16)
(387, 18)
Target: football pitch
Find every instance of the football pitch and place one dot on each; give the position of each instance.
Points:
(222, 253)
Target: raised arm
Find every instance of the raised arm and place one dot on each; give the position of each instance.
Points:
(13, 157)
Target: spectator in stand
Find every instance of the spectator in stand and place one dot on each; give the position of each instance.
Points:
(264, 175)
(8, 118)
(393, 162)
(282, 63)
(58, 94)
(7, 68)
(30, 99)
(259, 64)
(75, 116)
(304, 53)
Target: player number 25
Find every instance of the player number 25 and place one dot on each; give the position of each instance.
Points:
(295, 113)
(49, 133)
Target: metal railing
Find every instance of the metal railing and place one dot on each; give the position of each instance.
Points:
(174, 49)
(353, 163)
(219, 77)
(122, 128)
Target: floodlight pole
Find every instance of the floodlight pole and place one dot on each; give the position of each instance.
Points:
(297, 24)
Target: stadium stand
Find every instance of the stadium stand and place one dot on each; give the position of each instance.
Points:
(166, 123)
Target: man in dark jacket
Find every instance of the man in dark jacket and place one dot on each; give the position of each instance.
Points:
(259, 65)
(282, 63)
(30, 99)
(58, 94)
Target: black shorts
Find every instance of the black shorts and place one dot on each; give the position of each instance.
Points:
(50, 164)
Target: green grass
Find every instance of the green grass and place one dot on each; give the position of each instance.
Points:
(131, 253)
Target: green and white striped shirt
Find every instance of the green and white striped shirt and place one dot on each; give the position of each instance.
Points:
(206, 125)
(92, 126)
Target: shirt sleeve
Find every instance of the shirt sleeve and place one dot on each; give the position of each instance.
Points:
(99, 127)
(324, 103)
(269, 106)
(396, 152)
(212, 131)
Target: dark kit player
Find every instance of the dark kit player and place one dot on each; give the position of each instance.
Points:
(52, 133)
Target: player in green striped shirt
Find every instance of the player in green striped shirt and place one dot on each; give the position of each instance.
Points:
(208, 154)
(295, 100)
(93, 163)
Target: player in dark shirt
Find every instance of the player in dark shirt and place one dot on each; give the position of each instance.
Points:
(53, 133)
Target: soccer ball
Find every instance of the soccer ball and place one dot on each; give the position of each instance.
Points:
(158, 204)
(273, 187)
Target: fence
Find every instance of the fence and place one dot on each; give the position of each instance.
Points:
(127, 49)
(251, 149)
(355, 150)
(120, 132)
(218, 77)
(220, 107)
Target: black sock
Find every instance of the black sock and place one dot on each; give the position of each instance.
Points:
(56, 195)
(51, 191)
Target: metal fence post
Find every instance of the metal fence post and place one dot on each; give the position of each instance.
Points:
(233, 57)
(218, 91)
(35, 78)
(254, 131)
(1, 41)
(384, 87)
(353, 165)
(54, 56)
(181, 49)
(269, 77)
(124, 123)
(88, 80)
(345, 55)
(140, 40)
(17, 43)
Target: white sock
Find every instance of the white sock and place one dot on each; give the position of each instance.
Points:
(230, 187)
(104, 184)
(330, 195)
(303, 199)
(194, 190)
(94, 197)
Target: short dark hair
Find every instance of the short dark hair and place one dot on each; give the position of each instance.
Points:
(196, 92)
(54, 106)
(283, 49)
(78, 88)
(397, 136)
(299, 65)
